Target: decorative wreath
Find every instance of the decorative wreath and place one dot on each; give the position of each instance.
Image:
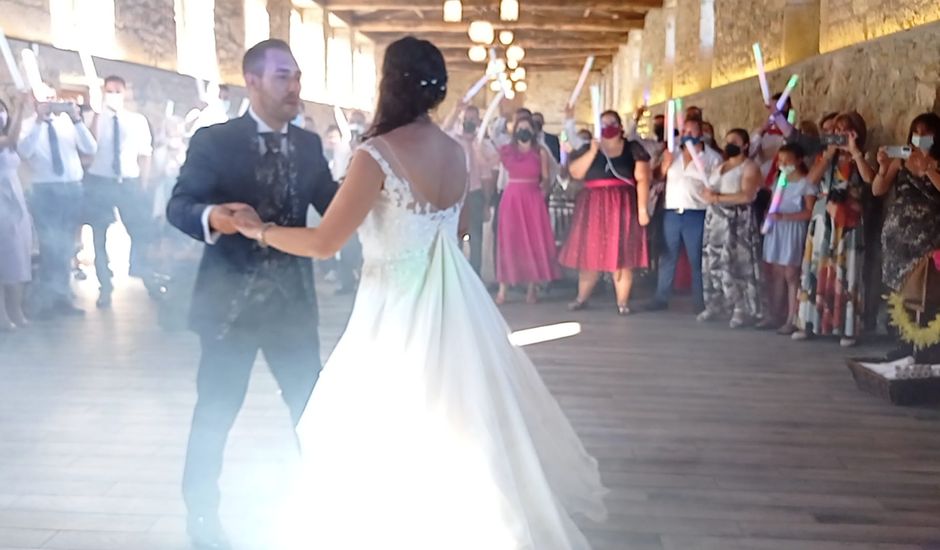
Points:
(911, 332)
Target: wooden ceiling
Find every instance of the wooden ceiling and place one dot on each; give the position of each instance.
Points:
(554, 33)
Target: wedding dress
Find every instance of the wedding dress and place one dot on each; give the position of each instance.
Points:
(428, 428)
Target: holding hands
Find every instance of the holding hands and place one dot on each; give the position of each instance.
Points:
(236, 217)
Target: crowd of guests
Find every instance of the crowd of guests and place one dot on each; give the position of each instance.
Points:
(811, 261)
(805, 263)
(92, 167)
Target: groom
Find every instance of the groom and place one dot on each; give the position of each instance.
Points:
(247, 297)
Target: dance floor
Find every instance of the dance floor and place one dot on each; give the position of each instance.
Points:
(708, 438)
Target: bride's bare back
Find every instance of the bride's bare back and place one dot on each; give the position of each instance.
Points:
(429, 160)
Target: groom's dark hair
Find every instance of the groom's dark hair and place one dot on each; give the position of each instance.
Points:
(253, 61)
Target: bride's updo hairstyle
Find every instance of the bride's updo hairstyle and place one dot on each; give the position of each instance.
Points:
(414, 81)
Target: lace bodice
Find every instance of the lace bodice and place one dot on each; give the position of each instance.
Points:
(401, 227)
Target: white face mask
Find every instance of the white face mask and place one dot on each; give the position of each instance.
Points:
(924, 143)
(226, 105)
(114, 101)
(788, 169)
(299, 121)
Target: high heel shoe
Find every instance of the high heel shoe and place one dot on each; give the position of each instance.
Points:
(623, 310)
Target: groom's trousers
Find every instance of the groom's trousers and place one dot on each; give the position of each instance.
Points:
(291, 350)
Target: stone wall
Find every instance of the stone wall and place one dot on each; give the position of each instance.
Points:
(735, 33)
(846, 22)
(146, 32)
(230, 39)
(869, 78)
(27, 19)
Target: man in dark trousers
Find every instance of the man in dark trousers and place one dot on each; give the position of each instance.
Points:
(248, 297)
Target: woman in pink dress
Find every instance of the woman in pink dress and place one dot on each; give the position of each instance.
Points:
(525, 245)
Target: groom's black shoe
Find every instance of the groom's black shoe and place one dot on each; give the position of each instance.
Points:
(206, 533)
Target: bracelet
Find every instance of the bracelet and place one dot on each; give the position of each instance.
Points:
(261, 235)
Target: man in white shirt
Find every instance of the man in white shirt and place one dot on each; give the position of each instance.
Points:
(684, 218)
(118, 178)
(51, 143)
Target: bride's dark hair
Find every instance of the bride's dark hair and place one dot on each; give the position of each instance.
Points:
(414, 81)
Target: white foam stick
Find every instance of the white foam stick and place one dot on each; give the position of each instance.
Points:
(91, 79)
(8, 58)
(596, 109)
(475, 89)
(243, 108)
(200, 89)
(170, 108)
(671, 125)
(696, 160)
(488, 116)
(761, 73)
(342, 123)
(31, 68)
(582, 79)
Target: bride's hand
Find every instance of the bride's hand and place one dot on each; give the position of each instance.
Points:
(248, 223)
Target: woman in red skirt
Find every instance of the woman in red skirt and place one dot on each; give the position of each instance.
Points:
(608, 232)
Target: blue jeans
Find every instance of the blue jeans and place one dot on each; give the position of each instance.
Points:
(57, 211)
(685, 228)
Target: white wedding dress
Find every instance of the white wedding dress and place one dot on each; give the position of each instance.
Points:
(428, 429)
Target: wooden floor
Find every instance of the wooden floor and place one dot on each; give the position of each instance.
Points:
(709, 438)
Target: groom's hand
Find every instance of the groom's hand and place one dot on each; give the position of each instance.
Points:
(222, 217)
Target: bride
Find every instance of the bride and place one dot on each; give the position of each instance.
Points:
(428, 428)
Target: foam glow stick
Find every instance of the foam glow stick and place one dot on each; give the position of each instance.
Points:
(791, 84)
(680, 114)
(791, 117)
(596, 109)
(170, 107)
(649, 82)
(501, 77)
(8, 58)
(343, 124)
(91, 78)
(761, 73)
(200, 90)
(775, 202)
(31, 68)
(475, 89)
(582, 79)
(243, 108)
(488, 115)
(697, 160)
(671, 125)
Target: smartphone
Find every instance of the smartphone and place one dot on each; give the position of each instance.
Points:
(61, 107)
(899, 151)
(840, 140)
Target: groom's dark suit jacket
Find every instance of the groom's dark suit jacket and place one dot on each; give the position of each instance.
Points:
(220, 167)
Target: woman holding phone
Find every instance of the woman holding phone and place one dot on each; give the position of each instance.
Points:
(912, 224)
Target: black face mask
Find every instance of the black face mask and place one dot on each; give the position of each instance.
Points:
(469, 126)
(524, 135)
(732, 150)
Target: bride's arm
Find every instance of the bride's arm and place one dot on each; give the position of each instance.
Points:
(349, 208)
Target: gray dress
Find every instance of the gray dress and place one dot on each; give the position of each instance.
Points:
(786, 241)
(16, 225)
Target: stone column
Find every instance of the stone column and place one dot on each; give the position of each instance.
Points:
(279, 13)
(800, 30)
(230, 39)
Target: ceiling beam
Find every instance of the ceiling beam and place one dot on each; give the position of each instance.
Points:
(370, 5)
(545, 51)
(546, 24)
(558, 41)
(600, 61)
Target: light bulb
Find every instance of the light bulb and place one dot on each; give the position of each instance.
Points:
(515, 53)
(506, 37)
(477, 54)
(521, 86)
(453, 11)
(481, 32)
(494, 85)
(509, 10)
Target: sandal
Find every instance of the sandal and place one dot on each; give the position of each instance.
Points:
(623, 310)
(577, 305)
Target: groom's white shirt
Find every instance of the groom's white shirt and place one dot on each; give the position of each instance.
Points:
(210, 236)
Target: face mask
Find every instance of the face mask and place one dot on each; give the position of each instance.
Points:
(299, 121)
(469, 126)
(924, 143)
(356, 128)
(114, 101)
(611, 131)
(787, 170)
(524, 135)
(691, 139)
(226, 105)
(732, 150)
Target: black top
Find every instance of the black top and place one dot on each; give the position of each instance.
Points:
(632, 153)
